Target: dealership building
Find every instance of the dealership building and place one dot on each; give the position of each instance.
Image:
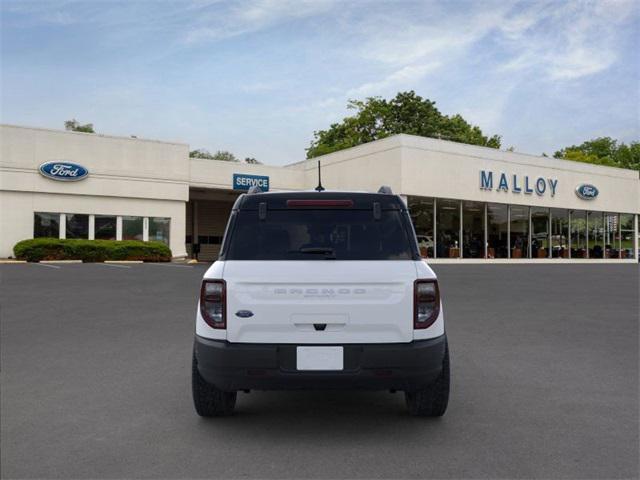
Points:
(468, 203)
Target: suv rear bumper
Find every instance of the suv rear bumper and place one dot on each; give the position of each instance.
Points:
(385, 366)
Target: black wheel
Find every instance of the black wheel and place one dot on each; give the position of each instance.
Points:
(208, 400)
(432, 400)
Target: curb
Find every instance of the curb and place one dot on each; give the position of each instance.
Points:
(123, 261)
(60, 261)
(11, 262)
(183, 261)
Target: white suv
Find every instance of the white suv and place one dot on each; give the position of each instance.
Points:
(320, 290)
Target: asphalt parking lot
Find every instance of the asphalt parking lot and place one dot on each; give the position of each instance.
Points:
(95, 377)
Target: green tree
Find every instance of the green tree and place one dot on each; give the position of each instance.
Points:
(252, 161)
(377, 118)
(219, 155)
(201, 153)
(224, 156)
(74, 126)
(603, 151)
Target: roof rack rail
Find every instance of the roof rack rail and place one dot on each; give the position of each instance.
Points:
(385, 190)
(254, 189)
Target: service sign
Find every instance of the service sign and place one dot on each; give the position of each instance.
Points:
(244, 182)
(586, 191)
(63, 171)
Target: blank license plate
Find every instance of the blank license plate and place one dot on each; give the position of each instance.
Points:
(320, 358)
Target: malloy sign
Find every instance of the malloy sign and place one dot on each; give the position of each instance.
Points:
(518, 183)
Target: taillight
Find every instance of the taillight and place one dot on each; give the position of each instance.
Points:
(426, 303)
(213, 300)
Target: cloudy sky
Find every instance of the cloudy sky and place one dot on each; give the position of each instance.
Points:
(258, 77)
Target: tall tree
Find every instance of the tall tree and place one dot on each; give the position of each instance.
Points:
(224, 156)
(219, 155)
(201, 153)
(604, 151)
(377, 118)
(74, 126)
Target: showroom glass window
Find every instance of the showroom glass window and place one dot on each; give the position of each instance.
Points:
(559, 233)
(132, 228)
(77, 226)
(611, 235)
(46, 225)
(627, 233)
(159, 229)
(519, 241)
(105, 227)
(596, 234)
(472, 230)
(539, 232)
(578, 234)
(421, 210)
(497, 229)
(448, 228)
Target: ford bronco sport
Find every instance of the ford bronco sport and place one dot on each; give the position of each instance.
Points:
(320, 290)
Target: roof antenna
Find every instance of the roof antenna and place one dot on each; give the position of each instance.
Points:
(319, 188)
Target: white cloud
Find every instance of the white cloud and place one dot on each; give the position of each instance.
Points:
(565, 41)
(405, 77)
(252, 16)
(259, 87)
(404, 38)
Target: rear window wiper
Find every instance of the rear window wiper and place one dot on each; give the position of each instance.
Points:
(328, 251)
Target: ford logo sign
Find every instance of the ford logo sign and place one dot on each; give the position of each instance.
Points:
(586, 191)
(63, 171)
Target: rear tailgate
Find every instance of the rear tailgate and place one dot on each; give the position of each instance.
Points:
(319, 302)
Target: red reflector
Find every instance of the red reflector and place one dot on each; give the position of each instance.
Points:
(319, 203)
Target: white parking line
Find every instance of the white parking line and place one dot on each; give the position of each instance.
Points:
(170, 265)
(47, 265)
(113, 265)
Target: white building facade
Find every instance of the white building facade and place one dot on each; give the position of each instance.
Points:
(468, 203)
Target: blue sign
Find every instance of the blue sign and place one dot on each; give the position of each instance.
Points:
(518, 183)
(63, 171)
(245, 182)
(586, 191)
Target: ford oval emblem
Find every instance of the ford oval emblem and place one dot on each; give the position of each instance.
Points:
(244, 313)
(63, 171)
(586, 191)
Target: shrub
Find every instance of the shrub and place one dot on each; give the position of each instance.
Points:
(36, 249)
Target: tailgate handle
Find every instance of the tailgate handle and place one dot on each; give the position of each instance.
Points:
(319, 326)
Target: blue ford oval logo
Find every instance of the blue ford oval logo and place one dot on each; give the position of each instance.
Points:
(586, 191)
(64, 171)
(244, 313)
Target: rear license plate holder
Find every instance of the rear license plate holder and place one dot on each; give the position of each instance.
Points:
(320, 358)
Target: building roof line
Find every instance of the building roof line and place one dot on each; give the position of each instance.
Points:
(102, 135)
(494, 154)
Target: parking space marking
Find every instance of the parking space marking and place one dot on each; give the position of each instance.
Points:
(47, 265)
(170, 265)
(113, 265)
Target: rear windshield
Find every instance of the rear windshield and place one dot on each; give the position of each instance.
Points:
(319, 235)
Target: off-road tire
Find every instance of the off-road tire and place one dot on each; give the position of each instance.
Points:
(432, 400)
(208, 400)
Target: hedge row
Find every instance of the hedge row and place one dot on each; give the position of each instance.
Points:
(34, 250)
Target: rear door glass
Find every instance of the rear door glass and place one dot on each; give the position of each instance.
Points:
(320, 234)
